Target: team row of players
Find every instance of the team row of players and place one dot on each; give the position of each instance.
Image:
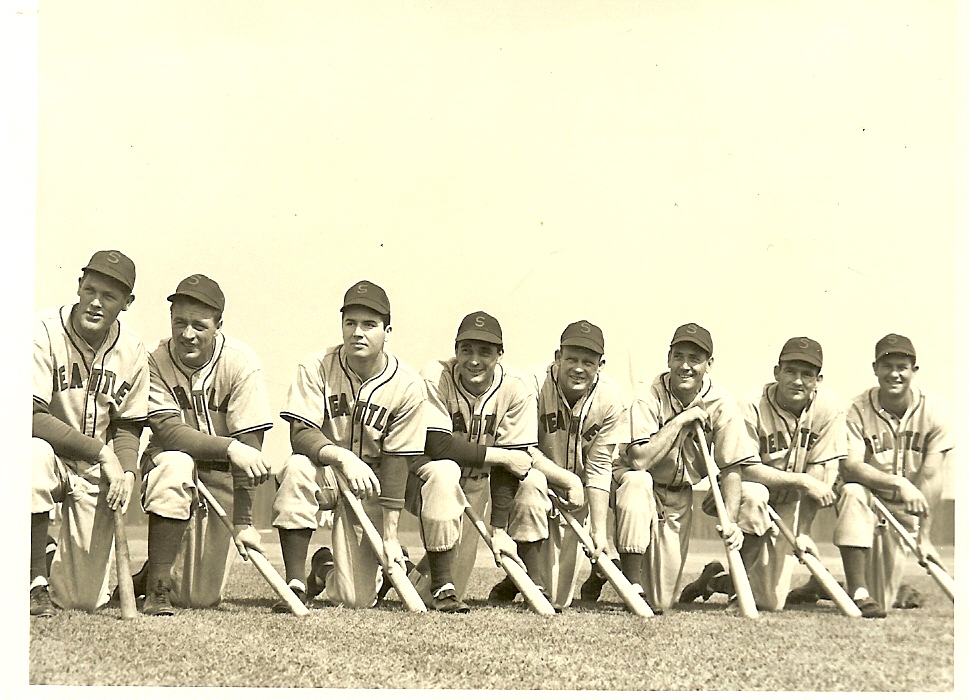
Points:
(463, 431)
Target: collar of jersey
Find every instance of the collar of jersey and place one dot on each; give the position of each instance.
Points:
(705, 385)
(496, 381)
(189, 371)
(582, 399)
(770, 391)
(876, 402)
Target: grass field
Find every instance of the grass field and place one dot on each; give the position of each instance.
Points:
(588, 647)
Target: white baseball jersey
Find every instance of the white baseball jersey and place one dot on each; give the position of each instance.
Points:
(656, 405)
(790, 443)
(226, 397)
(581, 438)
(897, 445)
(385, 414)
(86, 388)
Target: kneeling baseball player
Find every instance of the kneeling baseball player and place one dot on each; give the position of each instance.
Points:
(208, 412)
(800, 429)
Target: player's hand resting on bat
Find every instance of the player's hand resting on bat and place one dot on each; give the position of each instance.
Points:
(807, 544)
(246, 536)
(914, 500)
(694, 414)
(818, 491)
(599, 541)
(733, 535)
(249, 460)
(392, 551)
(502, 543)
(119, 488)
(360, 477)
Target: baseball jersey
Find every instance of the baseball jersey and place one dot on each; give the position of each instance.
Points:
(384, 414)
(897, 445)
(226, 397)
(656, 405)
(581, 438)
(790, 443)
(84, 387)
(503, 416)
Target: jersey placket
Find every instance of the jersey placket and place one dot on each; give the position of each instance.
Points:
(476, 406)
(895, 424)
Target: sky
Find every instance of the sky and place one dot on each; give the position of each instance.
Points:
(764, 169)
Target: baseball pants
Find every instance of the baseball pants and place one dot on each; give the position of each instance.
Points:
(85, 541)
(305, 491)
(204, 560)
(859, 526)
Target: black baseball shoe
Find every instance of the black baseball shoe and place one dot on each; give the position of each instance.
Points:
(282, 607)
(445, 599)
(139, 582)
(808, 594)
(908, 598)
(701, 587)
(504, 591)
(158, 600)
(320, 565)
(591, 589)
(40, 603)
(870, 608)
(386, 585)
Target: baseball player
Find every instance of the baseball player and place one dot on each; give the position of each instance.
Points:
(800, 429)
(90, 404)
(357, 409)
(898, 437)
(663, 442)
(208, 411)
(485, 424)
(581, 418)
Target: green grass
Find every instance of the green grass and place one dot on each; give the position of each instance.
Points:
(589, 647)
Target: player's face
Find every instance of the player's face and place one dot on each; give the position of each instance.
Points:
(194, 327)
(687, 363)
(895, 374)
(476, 362)
(364, 333)
(100, 300)
(796, 382)
(577, 368)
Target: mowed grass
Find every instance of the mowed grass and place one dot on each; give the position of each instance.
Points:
(588, 647)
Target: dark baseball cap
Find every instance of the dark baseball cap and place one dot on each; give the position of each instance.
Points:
(583, 334)
(366, 293)
(894, 344)
(115, 265)
(693, 333)
(803, 349)
(203, 289)
(479, 326)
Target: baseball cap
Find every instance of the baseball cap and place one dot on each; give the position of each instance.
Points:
(803, 349)
(366, 293)
(584, 335)
(479, 326)
(201, 288)
(693, 333)
(115, 265)
(893, 344)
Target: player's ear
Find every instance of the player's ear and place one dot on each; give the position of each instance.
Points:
(874, 367)
(710, 363)
(558, 355)
(820, 377)
(128, 302)
(602, 361)
(777, 373)
(218, 324)
(915, 368)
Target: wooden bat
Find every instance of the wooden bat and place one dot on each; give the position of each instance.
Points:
(838, 594)
(629, 596)
(258, 560)
(941, 576)
(122, 560)
(392, 569)
(530, 591)
(738, 573)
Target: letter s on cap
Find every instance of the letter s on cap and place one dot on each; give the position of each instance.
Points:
(113, 257)
(479, 321)
(194, 279)
(585, 327)
(691, 328)
(362, 288)
(804, 344)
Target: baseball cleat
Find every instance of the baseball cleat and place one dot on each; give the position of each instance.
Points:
(445, 599)
(320, 565)
(908, 598)
(139, 583)
(869, 608)
(158, 600)
(504, 591)
(282, 607)
(701, 587)
(808, 594)
(591, 589)
(40, 603)
(386, 585)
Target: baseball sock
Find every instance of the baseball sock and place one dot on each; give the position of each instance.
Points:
(295, 545)
(440, 563)
(631, 564)
(854, 560)
(529, 553)
(38, 544)
(164, 540)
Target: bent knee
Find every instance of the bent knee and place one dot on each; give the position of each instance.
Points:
(296, 468)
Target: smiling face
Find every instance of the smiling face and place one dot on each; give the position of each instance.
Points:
(796, 382)
(364, 333)
(577, 369)
(194, 327)
(687, 363)
(895, 373)
(476, 361)
(100, 300)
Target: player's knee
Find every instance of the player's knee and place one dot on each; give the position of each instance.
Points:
(296, 469)
(173, 466)
(754, 494)
(42, 454)
(640, 482)
(441, 474)
(853, 494)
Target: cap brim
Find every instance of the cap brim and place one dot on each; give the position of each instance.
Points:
(108, 272)
(197, 297)
(803, 357)
(372, 305)
(484, 336)
(692, 340)
(894, 351)
(584, 343)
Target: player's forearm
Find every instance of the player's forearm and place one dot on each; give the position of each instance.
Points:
(170, 433)
(772, 478)
(391, 520)
(930, 481)
(854, 470)
(730, 487)
(242, 504)
(308, 441)
(643, 455)
(598, 508)
(125, 439)
(557, 477)
(393, 481)
(67, 442)
(441, 445)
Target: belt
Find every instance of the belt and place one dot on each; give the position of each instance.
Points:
(475, 473)
(212, 465)
(674, 489)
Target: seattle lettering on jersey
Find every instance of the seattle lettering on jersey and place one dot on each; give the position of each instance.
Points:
(371, 415)
(907, 440)
(100, 380)
(778, 442)
(197, 403)
(553, 422)
(475, 432)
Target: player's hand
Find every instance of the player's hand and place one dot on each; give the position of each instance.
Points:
(129, 487)
(517, 462)
(246, 536)
(502, 543)
(112, 471)
(818, 491)
(250, 460)
(693, 415)
(599, 541)
(733, 535)
(393, 552)
(574, 492)
(913, 499)
(361, 478)
(807, 544)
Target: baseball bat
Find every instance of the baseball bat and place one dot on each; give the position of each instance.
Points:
(822, 575)
(738, 573)
(122, 559)
(530, 591)
(940, 575)
(257, 558)
(613, 575)
(392, 569)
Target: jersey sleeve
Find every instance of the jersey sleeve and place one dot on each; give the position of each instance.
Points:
(161, 399)
(940, 438)
(248, 409)
(135, 403)
(305, 400)
(438, 417)
(644, 417)
(832, 440)
(732, 443)
(43, 365)
(855, 431)
(519, 426)
(408, 426)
